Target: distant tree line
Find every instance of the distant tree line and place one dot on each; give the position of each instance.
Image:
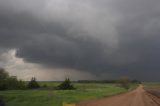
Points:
(123, 82)
(97, 81)
(8, 82)
(106, 81)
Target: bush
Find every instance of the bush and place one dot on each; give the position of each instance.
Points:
(44, 86)
(33, 84)
(21, 84)
(3, 85)
(124, 82)
(66, 85)
(12, 82)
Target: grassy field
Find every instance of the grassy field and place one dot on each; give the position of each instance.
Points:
(50, 97)
(152, 87)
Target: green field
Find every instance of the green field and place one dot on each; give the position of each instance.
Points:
(51, 97)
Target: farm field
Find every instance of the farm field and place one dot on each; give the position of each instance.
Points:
(51, 97)
(151, 85)
(153, 88)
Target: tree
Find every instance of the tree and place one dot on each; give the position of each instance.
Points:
(3, 79)
(3, 74)
(66, 85)
(14, 83)
(124, 82)
(10, 82)
(33, 84)
(21, 84)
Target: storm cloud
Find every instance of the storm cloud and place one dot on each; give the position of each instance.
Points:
(107, 37)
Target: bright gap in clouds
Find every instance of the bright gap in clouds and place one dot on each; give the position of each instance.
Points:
(25, 71)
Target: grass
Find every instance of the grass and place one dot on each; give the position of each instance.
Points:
(57, 97)
(152, 87)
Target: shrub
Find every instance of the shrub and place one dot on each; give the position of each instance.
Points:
(3, 85)
(33, 84)
(44, 86)
(124, 82)
(12, 82)
(21, 84)
(66, 85)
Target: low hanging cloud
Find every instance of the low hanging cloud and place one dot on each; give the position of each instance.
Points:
(17, 67)
(108, 37)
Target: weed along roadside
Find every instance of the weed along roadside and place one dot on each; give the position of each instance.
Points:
(68, 104)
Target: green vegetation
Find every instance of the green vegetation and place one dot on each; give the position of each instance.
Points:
(124, 82)
(57, 97)
(66, 85)
(152, 87)
(16, 92)
(33, 84)
(9, 82)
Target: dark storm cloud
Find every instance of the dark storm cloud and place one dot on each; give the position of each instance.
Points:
(138, 37)
(69, 37)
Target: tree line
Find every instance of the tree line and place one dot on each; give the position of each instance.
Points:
(107, 81)
(8, 82)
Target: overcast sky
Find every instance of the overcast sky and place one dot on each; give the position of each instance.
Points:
(80, 39)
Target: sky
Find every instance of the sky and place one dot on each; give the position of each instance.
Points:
(80, 39)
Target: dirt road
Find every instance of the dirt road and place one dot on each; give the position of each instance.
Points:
(137, 97)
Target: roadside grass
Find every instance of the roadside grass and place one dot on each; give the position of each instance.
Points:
(152, 87)
(50, 97)
(133, 86)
